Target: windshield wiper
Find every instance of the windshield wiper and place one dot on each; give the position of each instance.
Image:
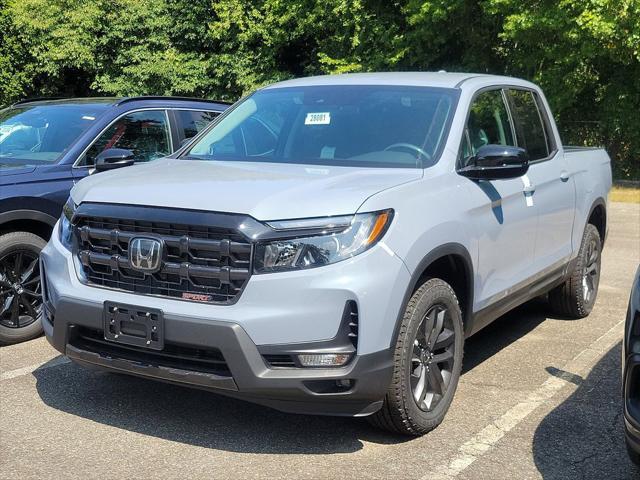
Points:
(199, 157)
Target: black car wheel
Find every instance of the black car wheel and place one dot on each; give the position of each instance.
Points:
(20, 290)
(428, 361)
(576, 297)
(433, 356)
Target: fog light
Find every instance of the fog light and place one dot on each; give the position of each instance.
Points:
(324, 359)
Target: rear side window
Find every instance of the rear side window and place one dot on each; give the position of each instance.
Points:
(145, 133)
(530, 129)
(191, 122)
(488, 124)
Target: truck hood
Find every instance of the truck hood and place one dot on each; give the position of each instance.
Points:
(266, 191)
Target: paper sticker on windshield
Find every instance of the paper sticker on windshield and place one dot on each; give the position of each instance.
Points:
(318, 118)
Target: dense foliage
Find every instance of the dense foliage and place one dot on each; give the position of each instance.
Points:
(584, 53)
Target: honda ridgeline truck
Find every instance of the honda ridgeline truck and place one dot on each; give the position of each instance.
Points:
(328, 243)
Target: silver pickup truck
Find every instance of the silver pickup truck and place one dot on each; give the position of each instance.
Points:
(327, 245)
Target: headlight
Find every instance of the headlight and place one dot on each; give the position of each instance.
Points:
(65, 229)
(334, 240)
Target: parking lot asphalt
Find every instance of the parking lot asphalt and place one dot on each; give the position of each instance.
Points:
(539, 398)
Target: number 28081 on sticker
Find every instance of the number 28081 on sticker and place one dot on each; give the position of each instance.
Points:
(318, 118)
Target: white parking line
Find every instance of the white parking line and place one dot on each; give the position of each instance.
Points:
(486, 438)
(18, 372)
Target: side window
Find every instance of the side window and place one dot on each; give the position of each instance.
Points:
(530, 131)
(488, 124)
(191, 122)
(145, 133)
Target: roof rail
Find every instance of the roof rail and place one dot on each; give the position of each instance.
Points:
(37, 99)
(160, 97)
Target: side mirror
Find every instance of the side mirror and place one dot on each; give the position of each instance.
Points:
(497, 162)
(114, 158)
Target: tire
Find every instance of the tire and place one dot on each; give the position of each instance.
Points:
(415, 357)
(577, 295)
(21, 286)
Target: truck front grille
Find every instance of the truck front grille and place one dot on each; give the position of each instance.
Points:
(200, 263)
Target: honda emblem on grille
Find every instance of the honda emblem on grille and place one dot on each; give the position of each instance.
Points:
(145, 254)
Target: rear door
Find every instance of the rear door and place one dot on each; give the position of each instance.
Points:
(552, 189)
(504, 219)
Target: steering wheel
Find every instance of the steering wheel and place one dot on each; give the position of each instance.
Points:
(409, 146)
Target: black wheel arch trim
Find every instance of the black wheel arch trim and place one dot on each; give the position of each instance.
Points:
(598, 202)
(429, 259)
(26, 214)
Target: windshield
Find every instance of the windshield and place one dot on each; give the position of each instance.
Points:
(39, 134)
(345, 125)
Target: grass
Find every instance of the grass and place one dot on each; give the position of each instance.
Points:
(625, 194)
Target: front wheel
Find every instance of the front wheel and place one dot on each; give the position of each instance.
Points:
(20, 292)
(427, 362)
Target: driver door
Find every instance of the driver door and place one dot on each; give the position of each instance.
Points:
(146, 133)
(503, 217)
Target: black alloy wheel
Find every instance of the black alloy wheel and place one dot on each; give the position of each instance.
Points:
(432, 361)
(591, 271)
(20, 288)
(576, 296)
(427, 361)
(20, 293)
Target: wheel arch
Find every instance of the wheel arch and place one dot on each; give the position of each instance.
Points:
(452, 263)
(32, 221)
(598, 217)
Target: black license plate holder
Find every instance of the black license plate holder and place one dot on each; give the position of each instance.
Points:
(134, 325)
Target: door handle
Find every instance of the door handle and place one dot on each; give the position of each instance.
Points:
(564, 175)
(529, 189)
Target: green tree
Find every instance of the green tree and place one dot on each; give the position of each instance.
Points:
(586, 56)
(118, 47)
(584, 53)
(262, 41)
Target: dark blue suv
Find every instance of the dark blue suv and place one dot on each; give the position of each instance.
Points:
(48, 145)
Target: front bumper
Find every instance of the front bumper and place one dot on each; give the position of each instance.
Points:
(295, 390)
(313, 297)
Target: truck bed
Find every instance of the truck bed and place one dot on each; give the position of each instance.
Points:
(574, 148)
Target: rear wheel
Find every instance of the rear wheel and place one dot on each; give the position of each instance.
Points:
(20, 291)
(428, 361)
(576, 296)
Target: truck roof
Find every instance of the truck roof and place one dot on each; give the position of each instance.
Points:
(421, 79)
